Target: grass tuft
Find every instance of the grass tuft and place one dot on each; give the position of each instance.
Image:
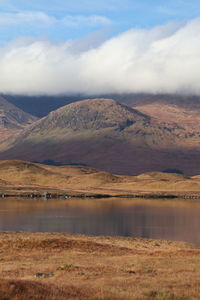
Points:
(163, 295)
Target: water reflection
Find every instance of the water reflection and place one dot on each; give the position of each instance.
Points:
(174, 220)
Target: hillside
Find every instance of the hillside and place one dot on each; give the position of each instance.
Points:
(110, 136)
(20, 177)
(12, 119)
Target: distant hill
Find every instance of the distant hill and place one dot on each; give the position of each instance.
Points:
(20, 177)
(111, 136)
(12, 119)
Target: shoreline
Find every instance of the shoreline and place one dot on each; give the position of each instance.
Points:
(146, 195)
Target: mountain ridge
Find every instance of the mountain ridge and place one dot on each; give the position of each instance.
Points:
(110, 136)
(40, 106)
(12, 120)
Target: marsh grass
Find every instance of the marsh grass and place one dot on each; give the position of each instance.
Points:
(106, 268)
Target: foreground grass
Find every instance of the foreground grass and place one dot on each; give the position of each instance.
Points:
(60, 266)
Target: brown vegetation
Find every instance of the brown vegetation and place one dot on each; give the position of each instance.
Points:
(19, 177)
(82, 267)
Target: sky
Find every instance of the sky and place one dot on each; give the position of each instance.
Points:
(106, 46)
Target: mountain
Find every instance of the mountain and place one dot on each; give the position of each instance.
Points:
(188, 118)
(184, 101)
(12, 120)
(111, 136)
(40, 106)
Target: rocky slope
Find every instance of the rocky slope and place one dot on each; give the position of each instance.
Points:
(12, 119)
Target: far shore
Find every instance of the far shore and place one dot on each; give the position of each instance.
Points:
(31, 180)
(143, 195)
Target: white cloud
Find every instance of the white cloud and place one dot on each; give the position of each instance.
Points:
(22, 18)
(162, 59)
(84, 20)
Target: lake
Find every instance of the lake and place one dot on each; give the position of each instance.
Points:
(157, 219)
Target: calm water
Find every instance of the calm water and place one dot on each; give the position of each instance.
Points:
(173, 220)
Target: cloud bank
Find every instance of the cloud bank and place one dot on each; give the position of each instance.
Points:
(163, 59)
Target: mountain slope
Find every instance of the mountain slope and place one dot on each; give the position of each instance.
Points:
(187, 118)
(12, 119)
(182, 110)
(110, 136)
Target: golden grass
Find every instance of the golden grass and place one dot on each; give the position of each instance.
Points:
(85, 267)
(19, 177)
(26, 290)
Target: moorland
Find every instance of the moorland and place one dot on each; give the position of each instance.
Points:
(61, 266)
(21, 178)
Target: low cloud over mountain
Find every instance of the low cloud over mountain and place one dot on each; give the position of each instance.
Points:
(162, 59)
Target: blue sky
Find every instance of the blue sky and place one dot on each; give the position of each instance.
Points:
(66, 19)
(97, 47)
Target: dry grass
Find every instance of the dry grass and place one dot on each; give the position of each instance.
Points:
(18, 177)
(86, 267)
(24, 290)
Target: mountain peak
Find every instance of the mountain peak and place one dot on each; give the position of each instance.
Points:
(93, 114)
